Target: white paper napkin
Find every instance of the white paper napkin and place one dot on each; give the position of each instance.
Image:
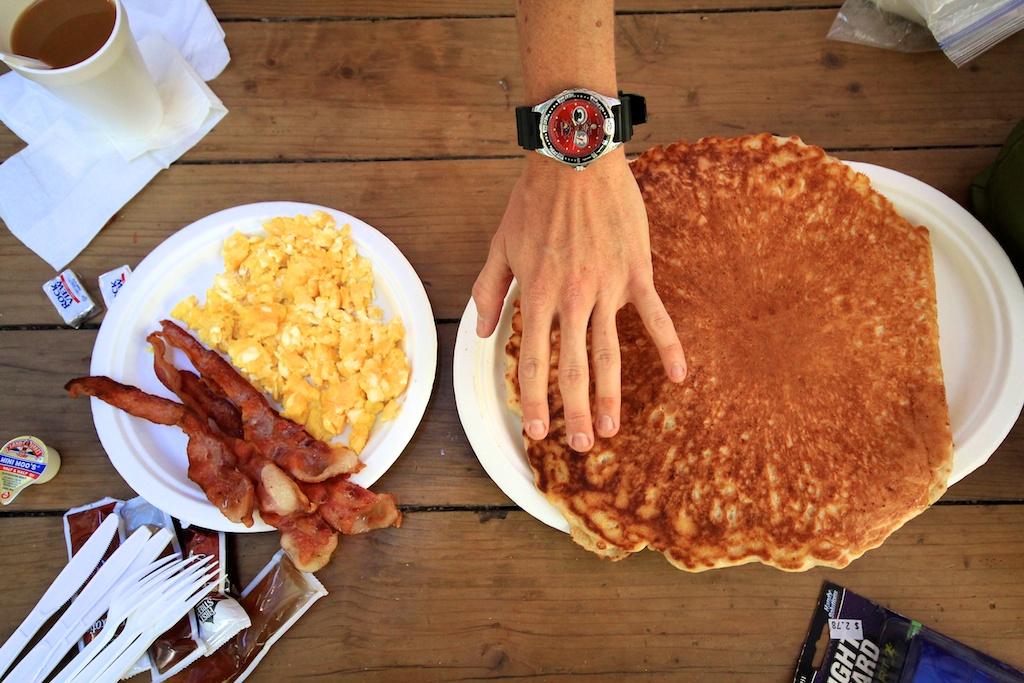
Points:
(58, 192)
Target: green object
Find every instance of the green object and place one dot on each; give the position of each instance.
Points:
(997, 197)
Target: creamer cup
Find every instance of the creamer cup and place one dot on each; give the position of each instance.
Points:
(24, 461)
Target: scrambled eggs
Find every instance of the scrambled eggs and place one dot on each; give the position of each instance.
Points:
(294, 312)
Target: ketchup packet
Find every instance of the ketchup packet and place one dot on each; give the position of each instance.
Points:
(79, 525)
(82, 522)
(219, 615)
(275, 599)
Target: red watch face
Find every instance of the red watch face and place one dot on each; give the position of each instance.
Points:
(576, 128)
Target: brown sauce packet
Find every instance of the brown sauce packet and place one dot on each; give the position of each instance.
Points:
(82, 522)
(79, 525)
(219, 615)
(275, 599)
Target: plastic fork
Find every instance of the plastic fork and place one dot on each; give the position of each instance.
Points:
(172, 598)
(141, 591)
(123, 664)
(138, 550)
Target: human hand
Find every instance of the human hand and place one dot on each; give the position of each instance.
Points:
(579, 246)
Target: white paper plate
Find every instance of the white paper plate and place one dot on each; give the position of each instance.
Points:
(981, 320)
(152, 458)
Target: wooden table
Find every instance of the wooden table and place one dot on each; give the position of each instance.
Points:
(400, 113)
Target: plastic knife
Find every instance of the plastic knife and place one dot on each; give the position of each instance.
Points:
(74, 575)
(141, 547)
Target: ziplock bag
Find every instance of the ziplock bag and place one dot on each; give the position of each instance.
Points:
(962, 29)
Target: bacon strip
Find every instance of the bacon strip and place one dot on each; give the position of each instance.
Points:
(275, 491)
(308, 539)
(229, 446)
(351, 509)
(194, 392)
(211, 462)
(286, 443)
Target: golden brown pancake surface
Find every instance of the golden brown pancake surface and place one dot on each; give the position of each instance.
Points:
(813, 422)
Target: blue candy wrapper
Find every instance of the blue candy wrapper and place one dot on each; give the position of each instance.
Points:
(868, 643)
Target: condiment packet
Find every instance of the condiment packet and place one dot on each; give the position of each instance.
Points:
(275, 599)
(67, 294)
(82, 522)
(112, 282)
(181, 642)
(219, 616)
(79, 524)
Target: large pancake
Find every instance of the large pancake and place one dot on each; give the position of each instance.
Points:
(813, 422)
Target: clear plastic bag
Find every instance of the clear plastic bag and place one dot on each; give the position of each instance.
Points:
(962, 29)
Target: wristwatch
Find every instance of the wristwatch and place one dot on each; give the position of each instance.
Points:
(579, 126)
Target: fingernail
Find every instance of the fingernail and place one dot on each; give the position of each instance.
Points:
(676, 373)
(481, 327)
(605, 424)
(580, 441)
(535, 430)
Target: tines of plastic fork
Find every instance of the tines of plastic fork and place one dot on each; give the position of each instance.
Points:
(169, 600)
(141, 591)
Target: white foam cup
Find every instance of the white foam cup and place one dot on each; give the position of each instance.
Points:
(112, 88)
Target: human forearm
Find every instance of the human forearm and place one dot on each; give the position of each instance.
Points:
(566, 44)
(576, 242)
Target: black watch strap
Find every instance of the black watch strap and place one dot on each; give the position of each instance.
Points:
(528, 127)
(631, 111)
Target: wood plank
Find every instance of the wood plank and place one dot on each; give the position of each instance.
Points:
(438, 468)
(469, 596)
(367, 9)
(466, 73)
(447, 87)
(419, 205)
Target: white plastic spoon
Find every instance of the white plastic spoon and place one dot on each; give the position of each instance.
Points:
(22, 61)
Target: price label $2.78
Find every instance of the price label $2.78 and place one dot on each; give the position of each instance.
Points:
(845, 629)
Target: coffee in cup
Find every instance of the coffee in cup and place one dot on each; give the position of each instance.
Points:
(62, 33)
(98, 69)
